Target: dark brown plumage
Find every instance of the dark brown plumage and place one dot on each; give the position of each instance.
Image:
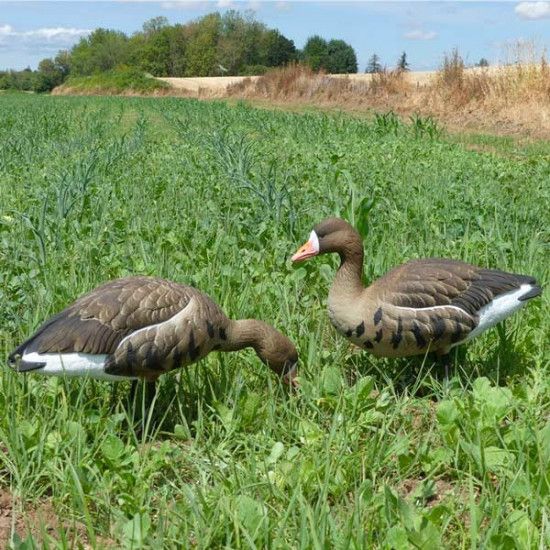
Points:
(142, 327)
(423, 305)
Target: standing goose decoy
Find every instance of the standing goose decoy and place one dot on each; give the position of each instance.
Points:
(141, 327)
(423, 305)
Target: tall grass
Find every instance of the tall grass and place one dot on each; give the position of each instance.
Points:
(515, 96)
(369, 453)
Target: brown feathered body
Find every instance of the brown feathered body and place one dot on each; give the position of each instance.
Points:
(142, 327)
(423, 305)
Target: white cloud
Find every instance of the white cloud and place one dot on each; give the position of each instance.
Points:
(49, 35)
(180, 5)
(282, 6)
(420, 35)
(533, 10)
(254, 5)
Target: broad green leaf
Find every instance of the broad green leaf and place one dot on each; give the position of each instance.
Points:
(396, 538)
(331, 379)
(135, 531)
(112, 448)
(427, 537)
(523, 530)
(299, 274)
(251, 514)
(544, 442)
(447, 413)
(276, 451)
(181, 432)
(363, 388)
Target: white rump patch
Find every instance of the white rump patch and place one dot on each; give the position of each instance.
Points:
(498, 309)
(72, 365)
(314, 241)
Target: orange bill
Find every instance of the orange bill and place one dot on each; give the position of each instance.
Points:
(308, 250)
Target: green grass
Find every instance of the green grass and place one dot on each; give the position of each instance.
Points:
(115, 81)
(370, 453)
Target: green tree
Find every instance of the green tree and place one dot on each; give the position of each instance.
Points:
(234, 43)
(315, 52)
(158, 52)
(104, 49)
(155, 24)
(402, 63)
(231, 43)
(48, 76)
(482, 63)
(63, 62)
(202, 39)
(374, 65)
(25, 80)
(341, 58)
(278, 49)
(178, 47)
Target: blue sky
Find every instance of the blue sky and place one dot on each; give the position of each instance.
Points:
(32, 30)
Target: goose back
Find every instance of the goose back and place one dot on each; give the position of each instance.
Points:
(142, 326)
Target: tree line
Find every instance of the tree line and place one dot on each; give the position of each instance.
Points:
(214, 45)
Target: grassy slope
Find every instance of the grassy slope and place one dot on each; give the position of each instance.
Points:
(113, 82)
(371, 453)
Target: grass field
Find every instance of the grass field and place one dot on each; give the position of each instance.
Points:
(369, 453)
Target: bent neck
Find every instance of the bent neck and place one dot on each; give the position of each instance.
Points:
(243, 333)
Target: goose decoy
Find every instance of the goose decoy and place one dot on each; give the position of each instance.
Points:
(141, 327)
(423, 305)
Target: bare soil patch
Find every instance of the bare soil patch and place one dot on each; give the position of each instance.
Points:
(40, 521)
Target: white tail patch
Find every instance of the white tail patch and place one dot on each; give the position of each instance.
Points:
(72, 365)
(498, 309)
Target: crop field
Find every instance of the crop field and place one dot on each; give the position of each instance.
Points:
(367, 453)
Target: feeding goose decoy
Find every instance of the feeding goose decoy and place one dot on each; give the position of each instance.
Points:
(141, 327)
(423, 305)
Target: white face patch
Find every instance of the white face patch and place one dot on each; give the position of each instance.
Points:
(314, 241)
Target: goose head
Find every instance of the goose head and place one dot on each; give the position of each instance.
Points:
(330, 235)
(278, 352)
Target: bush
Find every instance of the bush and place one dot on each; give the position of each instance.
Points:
(121, 79)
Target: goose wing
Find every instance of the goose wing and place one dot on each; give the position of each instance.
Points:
(427, 283)
(436, 303)
(99, 321)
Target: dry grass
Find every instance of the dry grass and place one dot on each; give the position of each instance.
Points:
(510, 99)
(300, 82)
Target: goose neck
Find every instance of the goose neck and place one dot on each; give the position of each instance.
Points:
(243, 333)
(350, 273)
